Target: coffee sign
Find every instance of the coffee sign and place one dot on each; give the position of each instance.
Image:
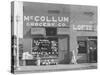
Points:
(83, 27)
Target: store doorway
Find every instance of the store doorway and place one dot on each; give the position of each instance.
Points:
(92, 49)
(64, 57)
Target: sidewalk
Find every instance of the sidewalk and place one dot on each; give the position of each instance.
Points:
(60, 67)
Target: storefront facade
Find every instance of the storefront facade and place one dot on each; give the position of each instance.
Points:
(62, 26)
(52, 32)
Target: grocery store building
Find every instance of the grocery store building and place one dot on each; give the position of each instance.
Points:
(51, 32)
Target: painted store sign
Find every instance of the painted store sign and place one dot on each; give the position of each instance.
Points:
(84, 27)
(46, 21)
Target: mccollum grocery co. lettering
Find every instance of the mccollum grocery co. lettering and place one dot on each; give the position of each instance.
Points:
(46, 21)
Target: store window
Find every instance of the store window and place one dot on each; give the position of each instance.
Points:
(82, 47)
(46, 49)
(45, 46)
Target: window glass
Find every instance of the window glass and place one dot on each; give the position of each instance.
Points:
(82, 47)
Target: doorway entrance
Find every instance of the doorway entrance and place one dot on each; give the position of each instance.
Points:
(92, 49)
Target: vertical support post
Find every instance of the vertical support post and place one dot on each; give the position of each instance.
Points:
(18, 24)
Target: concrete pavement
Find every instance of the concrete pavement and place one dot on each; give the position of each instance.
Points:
(59, 67)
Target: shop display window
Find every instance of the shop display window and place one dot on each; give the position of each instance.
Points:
(45, 46)
(82, 47)
(46, 49)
